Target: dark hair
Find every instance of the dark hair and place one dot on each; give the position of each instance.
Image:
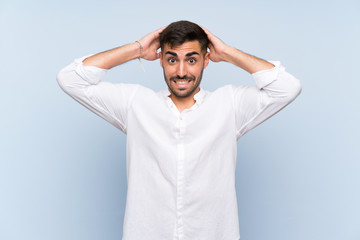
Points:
(180, 32)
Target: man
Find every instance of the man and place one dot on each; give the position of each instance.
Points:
(181, 142)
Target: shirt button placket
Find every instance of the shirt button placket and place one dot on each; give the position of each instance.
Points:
(180, 176)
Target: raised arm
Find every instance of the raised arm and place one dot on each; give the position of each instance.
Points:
(82, 79)
(114, 57)
(219, 51)
(275, 88)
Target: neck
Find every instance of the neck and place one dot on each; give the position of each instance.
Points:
(183, 103)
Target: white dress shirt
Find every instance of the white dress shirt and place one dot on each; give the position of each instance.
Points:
(180, 166)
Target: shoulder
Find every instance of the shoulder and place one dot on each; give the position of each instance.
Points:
(122, 91)
(228, 89)
(141, 92)
(131, 87)
(230, 93)
(220, 95)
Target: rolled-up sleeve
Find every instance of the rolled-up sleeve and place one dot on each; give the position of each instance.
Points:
(110, 101)
(275, 88)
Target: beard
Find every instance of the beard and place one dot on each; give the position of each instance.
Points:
(183, 93)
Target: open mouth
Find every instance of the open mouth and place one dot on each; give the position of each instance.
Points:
(182, 83)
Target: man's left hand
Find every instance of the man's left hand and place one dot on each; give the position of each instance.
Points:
(216, 46)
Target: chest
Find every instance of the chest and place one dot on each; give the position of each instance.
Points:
(154, 119)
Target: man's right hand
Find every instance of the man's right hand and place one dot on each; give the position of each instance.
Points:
(114, 57)
(151, 44)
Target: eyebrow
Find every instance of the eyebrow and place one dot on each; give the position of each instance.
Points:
(171, 53)
(187, 55)
(192, 53)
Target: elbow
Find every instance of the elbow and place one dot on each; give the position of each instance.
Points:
(61, 80)
(289, 90)
(295, 89)
(291, 87)
(67, 80)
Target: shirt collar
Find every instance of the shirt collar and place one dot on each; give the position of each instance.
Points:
(198, 97)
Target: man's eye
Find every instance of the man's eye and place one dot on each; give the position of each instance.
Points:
(172, 60)
(191, 60)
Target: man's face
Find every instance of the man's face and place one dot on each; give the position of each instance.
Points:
(183, 67)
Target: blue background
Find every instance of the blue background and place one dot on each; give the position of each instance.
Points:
(62, 168)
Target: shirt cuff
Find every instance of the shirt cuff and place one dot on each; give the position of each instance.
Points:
(265, 77)
(91, 74)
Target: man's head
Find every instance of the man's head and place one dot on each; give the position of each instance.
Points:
(177, 33)
(183, 57)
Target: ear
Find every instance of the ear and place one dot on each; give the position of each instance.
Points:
(161, 59)
(206, 60)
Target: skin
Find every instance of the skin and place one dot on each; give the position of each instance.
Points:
(183, 63)
(182, 96)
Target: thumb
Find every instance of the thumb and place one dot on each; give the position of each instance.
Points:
(158, 55)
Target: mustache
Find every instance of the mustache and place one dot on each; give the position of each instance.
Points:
(174, 78)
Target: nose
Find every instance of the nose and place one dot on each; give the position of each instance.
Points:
(181, 70)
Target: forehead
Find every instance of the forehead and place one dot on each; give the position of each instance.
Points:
(184, 48)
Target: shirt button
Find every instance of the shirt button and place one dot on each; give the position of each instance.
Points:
(180, 118)
(171, 106)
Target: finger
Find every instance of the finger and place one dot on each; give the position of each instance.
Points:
(205, 30)
(160, 29)
(210, 35)
(211, 47)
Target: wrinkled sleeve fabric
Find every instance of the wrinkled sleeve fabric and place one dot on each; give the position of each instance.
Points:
(111, 101)
(275, 88)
